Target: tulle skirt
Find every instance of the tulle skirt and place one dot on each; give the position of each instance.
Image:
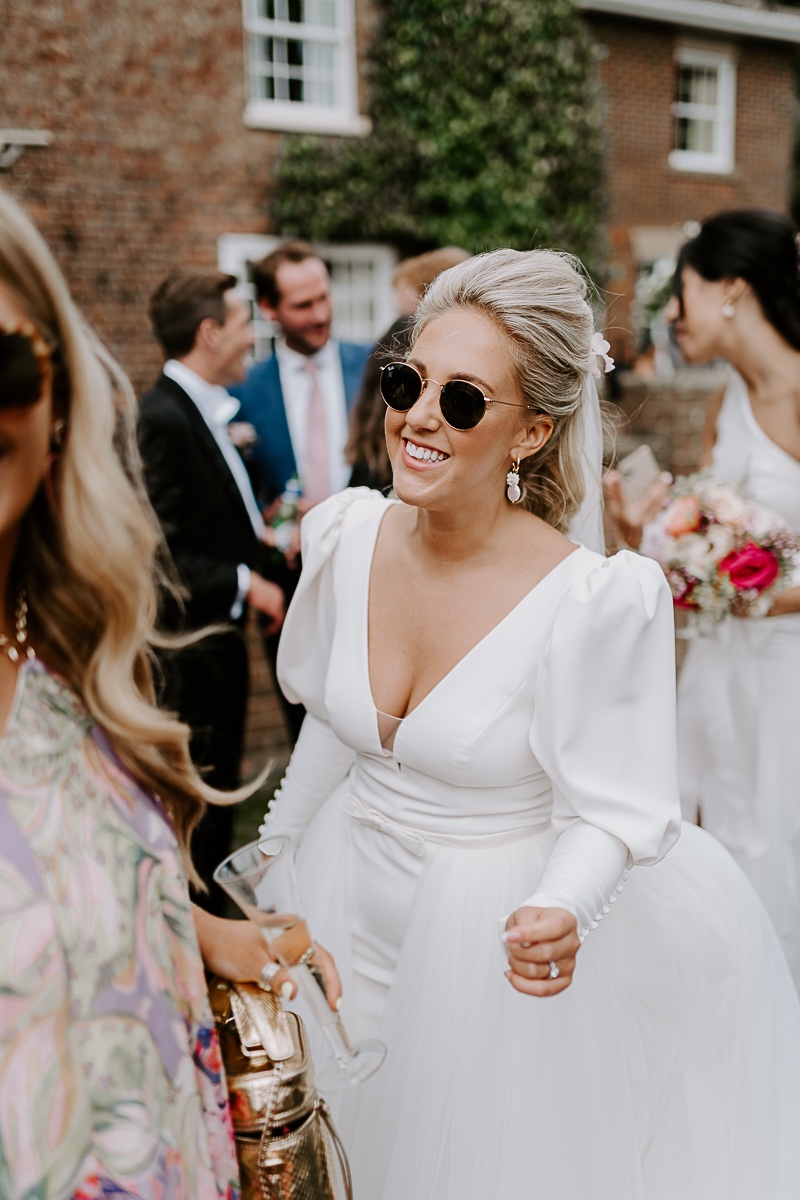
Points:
(739, 757)
(669, 1070)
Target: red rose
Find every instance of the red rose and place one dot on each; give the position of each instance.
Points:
(750, 568)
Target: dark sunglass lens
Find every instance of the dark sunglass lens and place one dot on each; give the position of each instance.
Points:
(20, 374)
(400, 386)
(462, 404)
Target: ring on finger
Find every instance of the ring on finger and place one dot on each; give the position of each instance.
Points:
(554, 971)
(268, 973)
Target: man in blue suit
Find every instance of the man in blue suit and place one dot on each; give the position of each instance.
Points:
(299, 399)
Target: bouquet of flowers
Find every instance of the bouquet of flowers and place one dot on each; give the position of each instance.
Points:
(723, 555)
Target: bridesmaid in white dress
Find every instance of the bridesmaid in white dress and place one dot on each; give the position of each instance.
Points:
(491, 717)
(738, 298)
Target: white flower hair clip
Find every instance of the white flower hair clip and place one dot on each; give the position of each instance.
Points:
(600, 347)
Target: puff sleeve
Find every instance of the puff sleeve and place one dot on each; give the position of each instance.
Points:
(604, 731)
(320, 761)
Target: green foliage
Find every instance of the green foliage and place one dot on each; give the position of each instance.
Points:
(486, 132)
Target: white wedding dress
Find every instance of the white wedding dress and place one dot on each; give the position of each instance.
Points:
(739, 700)
(670, 1069)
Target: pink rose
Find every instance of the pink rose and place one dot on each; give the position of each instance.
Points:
(682, 516)
(750, 568)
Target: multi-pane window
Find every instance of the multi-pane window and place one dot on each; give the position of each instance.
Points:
(704, 112)
(361, 285)
(301, 68)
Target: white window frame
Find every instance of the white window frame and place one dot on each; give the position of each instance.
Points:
(723, 115)
(361, 285)
(342, 118)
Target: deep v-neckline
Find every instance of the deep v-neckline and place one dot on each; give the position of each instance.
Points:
(448, 675)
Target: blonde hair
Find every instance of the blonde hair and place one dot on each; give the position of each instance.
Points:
(419, 272)
(538, 298)
(88, 550)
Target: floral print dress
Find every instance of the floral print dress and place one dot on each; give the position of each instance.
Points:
(111, 1082)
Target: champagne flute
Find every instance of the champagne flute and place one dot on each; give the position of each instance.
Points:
(261, 879)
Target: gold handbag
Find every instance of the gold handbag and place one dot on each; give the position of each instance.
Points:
(286, 1143)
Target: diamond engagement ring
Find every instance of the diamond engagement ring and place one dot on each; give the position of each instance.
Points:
(268, 973)
(554, 971)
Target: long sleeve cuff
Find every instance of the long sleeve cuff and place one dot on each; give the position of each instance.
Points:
(318, 764)
(584, 874)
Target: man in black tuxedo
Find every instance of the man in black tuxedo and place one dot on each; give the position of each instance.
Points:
(199, 488)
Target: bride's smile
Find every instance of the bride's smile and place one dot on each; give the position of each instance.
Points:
(435, 462)
(421, 453)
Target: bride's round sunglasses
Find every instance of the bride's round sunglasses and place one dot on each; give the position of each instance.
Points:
(24, 355)
(462, 403)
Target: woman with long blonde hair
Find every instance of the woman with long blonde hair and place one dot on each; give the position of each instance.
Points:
(110, 1077)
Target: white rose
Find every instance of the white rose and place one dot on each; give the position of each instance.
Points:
(694, 552)
(759, 521)
(728, 507)
(720, 540)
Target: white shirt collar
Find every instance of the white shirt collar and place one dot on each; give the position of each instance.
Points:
(216, 405)
(292, 360)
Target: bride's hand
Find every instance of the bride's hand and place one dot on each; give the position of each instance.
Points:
(235, 950)
(535, 937)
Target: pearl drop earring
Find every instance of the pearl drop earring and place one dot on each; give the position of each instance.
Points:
(728, 310)
(512, 482)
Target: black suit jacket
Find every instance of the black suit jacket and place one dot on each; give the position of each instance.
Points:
(205, 522)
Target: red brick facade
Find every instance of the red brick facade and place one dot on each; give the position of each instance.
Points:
(638, 73)
(151, 160)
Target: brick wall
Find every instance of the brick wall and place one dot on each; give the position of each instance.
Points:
(668, 414)
(151, 161)
(637, 72)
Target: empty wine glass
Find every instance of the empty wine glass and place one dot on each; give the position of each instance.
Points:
(261, 879)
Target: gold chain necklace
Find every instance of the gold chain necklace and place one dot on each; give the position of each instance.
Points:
(18, 648)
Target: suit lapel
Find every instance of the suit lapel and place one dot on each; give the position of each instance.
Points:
(353, 359)
(207, 442)
(276, 426)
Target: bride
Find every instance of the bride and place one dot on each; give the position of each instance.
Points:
(491, 738)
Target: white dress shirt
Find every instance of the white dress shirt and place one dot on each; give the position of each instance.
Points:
(217, 407)
(296, 385)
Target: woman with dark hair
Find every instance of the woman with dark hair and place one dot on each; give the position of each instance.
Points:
(737, 297)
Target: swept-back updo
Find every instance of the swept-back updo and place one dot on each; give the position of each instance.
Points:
(756, 245)
(537, 298)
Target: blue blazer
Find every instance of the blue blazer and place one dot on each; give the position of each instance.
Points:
(261, 399)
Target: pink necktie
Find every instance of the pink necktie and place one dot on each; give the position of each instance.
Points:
(316, 477)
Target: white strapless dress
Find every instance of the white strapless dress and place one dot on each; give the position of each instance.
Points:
(739, 701)
(670, 1069)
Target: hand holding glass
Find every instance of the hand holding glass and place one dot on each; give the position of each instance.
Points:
(261, 879)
